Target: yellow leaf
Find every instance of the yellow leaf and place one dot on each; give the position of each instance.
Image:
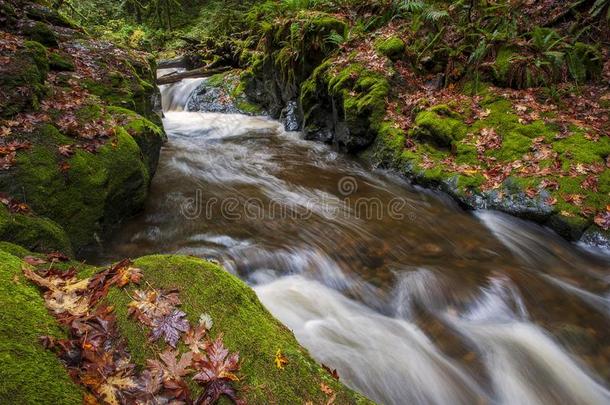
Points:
(280, 360)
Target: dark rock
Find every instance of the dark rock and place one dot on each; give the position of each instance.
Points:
(289, 117)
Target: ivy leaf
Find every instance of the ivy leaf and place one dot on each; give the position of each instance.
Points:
(169, 327)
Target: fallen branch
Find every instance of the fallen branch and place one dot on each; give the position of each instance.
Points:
(179, 62)
(201, 72)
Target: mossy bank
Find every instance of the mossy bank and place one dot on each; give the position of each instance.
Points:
(33, 375)
(81, 138)
(529, 139)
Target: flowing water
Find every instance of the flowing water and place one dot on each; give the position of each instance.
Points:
(410, 298)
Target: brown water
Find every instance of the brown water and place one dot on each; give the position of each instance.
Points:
(412, 299)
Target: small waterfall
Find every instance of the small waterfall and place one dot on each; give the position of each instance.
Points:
(175, 96)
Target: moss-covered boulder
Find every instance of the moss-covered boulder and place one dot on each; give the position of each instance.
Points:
(392, 47)
(247, 328)
(439, 125)
(60, 62)
(344, 105)
(22, 77)
(80, 137)
(33, 232)
(30, 374)
(293, 48)
(88, 191)
(40, 32)
(224, 93)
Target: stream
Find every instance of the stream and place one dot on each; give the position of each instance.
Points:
(409, 297)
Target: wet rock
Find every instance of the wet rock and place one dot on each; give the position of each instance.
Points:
(596, 237)
(289, 117)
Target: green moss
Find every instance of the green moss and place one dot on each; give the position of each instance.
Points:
(392, 47)
(41, 32)
(114, 90)
(23, 77)
(39, 55)
(438, 127)
(247, 327)
(579, 149)
(32, 232)
(363, 93)
(30, 374)
(149, 136)
(60, 62)
(514, 146)
(14, 250)
(95, 192)
(502, 64)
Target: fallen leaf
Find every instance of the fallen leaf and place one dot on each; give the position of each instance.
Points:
(170, 366)
(280, 360)
(169, 327)
(34, 261)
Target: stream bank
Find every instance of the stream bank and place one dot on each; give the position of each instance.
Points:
(491, 139)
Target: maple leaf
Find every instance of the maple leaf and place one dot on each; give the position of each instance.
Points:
(214, 390)
(114, 387)
(126, 275)
(216, 371)
(590, 183)
(328, 392)
(216, 364)
(64, 167)
(531, 192)
(332, 372)
(603, 220)
(169, 327)
(66, 150)
(550, 184)
(149, 305)
(149, 385)
(205, 320)
(57, 257)
(194, 338)
(170, 367)
(34, 261)
(72, 303)
(575, 199)
(280, 360)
